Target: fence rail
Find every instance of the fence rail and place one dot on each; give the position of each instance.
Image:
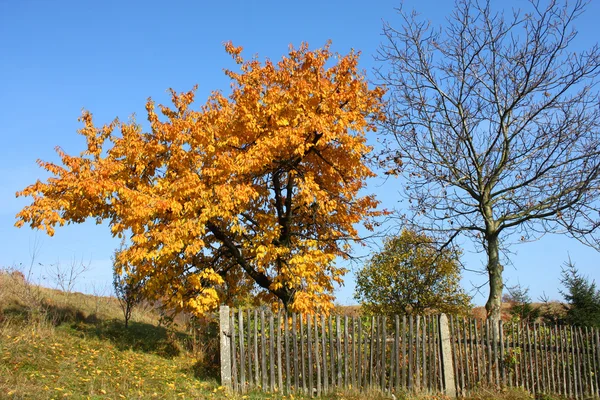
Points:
(317, 354)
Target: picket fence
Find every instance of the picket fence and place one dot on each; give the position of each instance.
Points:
(317, 354)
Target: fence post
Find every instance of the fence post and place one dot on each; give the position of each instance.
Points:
(449, 384)
(225, 336)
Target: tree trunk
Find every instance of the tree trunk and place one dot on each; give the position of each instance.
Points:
(287, 297)
(494, 303)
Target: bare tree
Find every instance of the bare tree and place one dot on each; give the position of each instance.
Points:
(65, 278)
(493, 122)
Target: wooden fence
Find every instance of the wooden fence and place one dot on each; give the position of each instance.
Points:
(562, 360)
(315, 354)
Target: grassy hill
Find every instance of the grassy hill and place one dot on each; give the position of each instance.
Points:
(57, 345)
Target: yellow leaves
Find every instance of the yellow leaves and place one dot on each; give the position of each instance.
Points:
(234, 51)
(264, 180)
(283, 122)
(207, 301)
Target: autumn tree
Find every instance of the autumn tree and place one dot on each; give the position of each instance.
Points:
(411, 275)
(263, 183)
(493, 123)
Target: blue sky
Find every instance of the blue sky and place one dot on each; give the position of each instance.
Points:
(110, 56)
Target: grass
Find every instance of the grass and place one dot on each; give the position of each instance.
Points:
(55, 345)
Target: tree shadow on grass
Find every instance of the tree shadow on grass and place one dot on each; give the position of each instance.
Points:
(137, 336)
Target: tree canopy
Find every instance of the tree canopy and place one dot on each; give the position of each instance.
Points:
(412, 275)
(262, 184)
(494, 123)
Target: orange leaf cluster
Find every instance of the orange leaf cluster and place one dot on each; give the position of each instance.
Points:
(263, 183)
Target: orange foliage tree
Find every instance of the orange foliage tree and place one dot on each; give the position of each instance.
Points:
(262, 184)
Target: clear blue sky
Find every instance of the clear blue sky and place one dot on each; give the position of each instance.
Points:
(109, 56)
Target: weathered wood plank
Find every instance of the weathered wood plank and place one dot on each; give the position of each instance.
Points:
(596, 358)
(249, 333)
(526, 364)
(256, 367)
(597, 348)
(317, 356)
(559, 362)
(501, 354)
(278, 327)
(461, 357)
(410, 353)
(338, 332)
(345, 351)
(353, 338)
(432, 361)
(366, 350)
(477, 354)
(579, 362)
(332, 355)
(242, 351)
(454, 355)
(537, 386)
(376, 353)
(546, 357)
(583, 363)
(585, 366)
(580, 353)
(518, 355)
(309, 350)
(532, 386)
(590, 359)
(417, 380)
(360, 351)
(466, 365)
(371, 349)
(403, 344)
(263, 349)
(303, 355)
(383, 353)
(569, 363)
(396, 351)
(288, 371)
(234, 378)
(424, 354)
(496, 369)
(471, 355)
(271, 353)
(324, 349)
(544, 383)
(554, 361)
(490, 355)
(438, 357)
(295, 340)
(510, 348)
(393, 352)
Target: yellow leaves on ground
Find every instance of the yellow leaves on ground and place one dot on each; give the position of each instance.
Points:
(262, 184)
(64, 365)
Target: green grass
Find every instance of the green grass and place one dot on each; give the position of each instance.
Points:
(66, 362)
